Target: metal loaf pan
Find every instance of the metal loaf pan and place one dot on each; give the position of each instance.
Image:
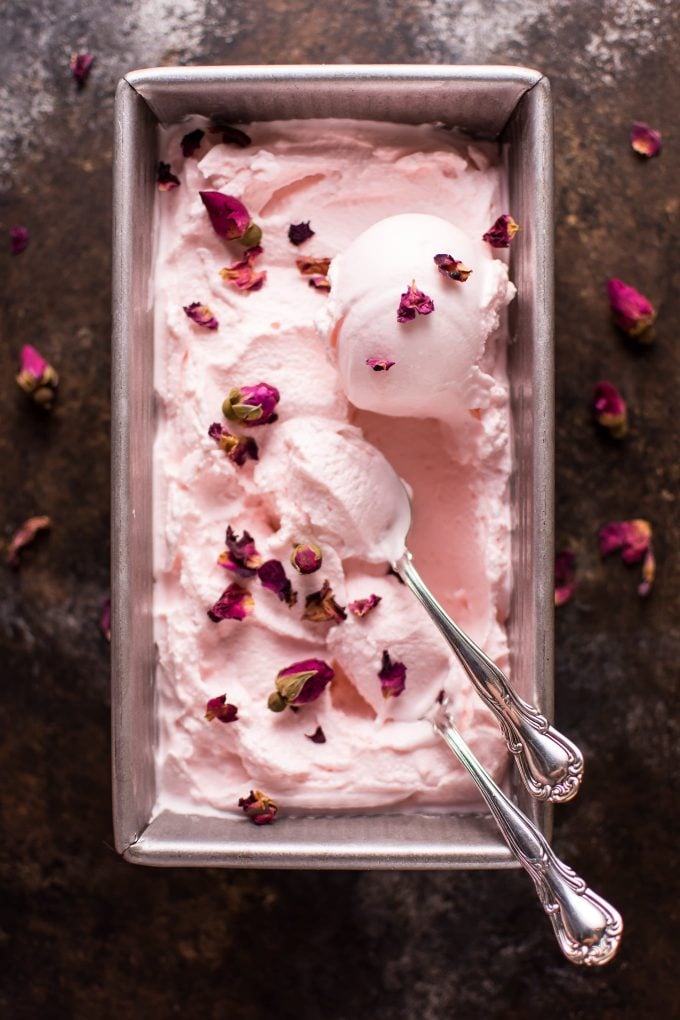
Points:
(511, 104)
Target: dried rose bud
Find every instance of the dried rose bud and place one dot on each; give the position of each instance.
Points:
(80, 65)
(229, 217)
(313, 266)
(645, 140)
(273, 577)
(380, 364)
(217, 708)
(502, 232)
(631, 310)
(306, 557)
(235, 603)
(242, 274)
(191, 142)
(448, 266)
(317, 737)
(392, 677)
(252, 405)
(412, 301)
(565, 576)
(320, 606)
(37, 378)
(259, 808)
(299, 232)
(237, 448)
(321, 283)
(610, 409)
(300, 683)
(165, 178)
(634, 540)
(361, 607)
(240, 556)
(105, 619)
(201, 315)
(23, 536)
(18, 240)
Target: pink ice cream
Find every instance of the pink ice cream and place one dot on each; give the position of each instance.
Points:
(325, 471)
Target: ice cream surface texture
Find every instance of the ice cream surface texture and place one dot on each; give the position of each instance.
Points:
(382, 200)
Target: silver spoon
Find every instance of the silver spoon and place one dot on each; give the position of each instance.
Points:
(550, 765)
(587, 928)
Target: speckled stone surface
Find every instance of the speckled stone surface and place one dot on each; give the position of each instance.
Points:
(84, 935)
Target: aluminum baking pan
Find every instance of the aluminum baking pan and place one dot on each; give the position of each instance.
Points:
(511, 104)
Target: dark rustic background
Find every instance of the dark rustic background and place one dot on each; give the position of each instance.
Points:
(86, 936)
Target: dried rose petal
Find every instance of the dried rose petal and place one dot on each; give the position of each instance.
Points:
(240, 556)
(252, 405)
(231, 135)
(242, 274)
(448, 266)
(299, 232)
(634, 540)
(191, 142)
(610, 409)
(229, 217)
(306, 557)
(392, 677)
(380, 364)
(259, 808)
(565, 576)
(235, 603)
(165, 179)
(273, 577)
(631, 310)
(412, 301)
(320, 283)
(80, 65)
(36, 377)
(217, 708)
(317, 737)
(320, 606)
(201, 315)
(105, 619)
(502, 232)
(313, 266)
(237, 448)
(300, 683)
(360, 607)
(23, 536)
(645, 140)
(18, 240)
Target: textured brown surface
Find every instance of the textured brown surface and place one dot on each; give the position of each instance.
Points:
(84, 935)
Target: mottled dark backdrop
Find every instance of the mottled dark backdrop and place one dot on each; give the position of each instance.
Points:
(84, 935)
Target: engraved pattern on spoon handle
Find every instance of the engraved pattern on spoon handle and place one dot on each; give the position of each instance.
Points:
(550, 765)
(587, 928)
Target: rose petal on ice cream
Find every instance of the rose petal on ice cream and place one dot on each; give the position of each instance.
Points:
(298, 233)
(321, 283)
(235, 603)
(23, 536)
(309, 266)
(252, 405)
(300, 683)
(361, 607)
(501, 233)
(412, 301)
(218, 708)
(273, 577)
(18, 240)
(452, 268)
(240, 556)
(633, 539)
(644, 139)
(259, 808)
(631, 310)
(105, 619)
(231, 135)
(317, 737)
(610, 409)
(80, 65)
(36, 377)
(201, 315)
(392, 677)
(565, 576)
(242, 273)
(165, 178)
(237, 448)
(320, 606)
(306, 557)
(191, 142)
(229, 217)
(380, 364)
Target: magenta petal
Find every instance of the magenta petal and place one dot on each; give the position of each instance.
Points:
(273, 577)
(633, 539)
(315, 685)
(229, 217)
(645, 140)
(412, 301)
(631, 310)
(565, 576)
(191, 142)
(18, 239)
(166, 180)
(392, 677)
(317, 737)
(218, 708)
(32, 362)
(380, 364)
(298, 233)
(201, 315)
(235, 603)
(501, 233)
(361, 607)
(80, 67)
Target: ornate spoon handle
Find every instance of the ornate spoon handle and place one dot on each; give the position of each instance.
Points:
(587, 928)
(550, 765)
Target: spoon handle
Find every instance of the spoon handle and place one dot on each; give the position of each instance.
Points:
(587, 928)
(551, 766)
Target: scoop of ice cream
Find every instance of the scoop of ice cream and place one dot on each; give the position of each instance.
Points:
(333, 484)
(436, 356)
